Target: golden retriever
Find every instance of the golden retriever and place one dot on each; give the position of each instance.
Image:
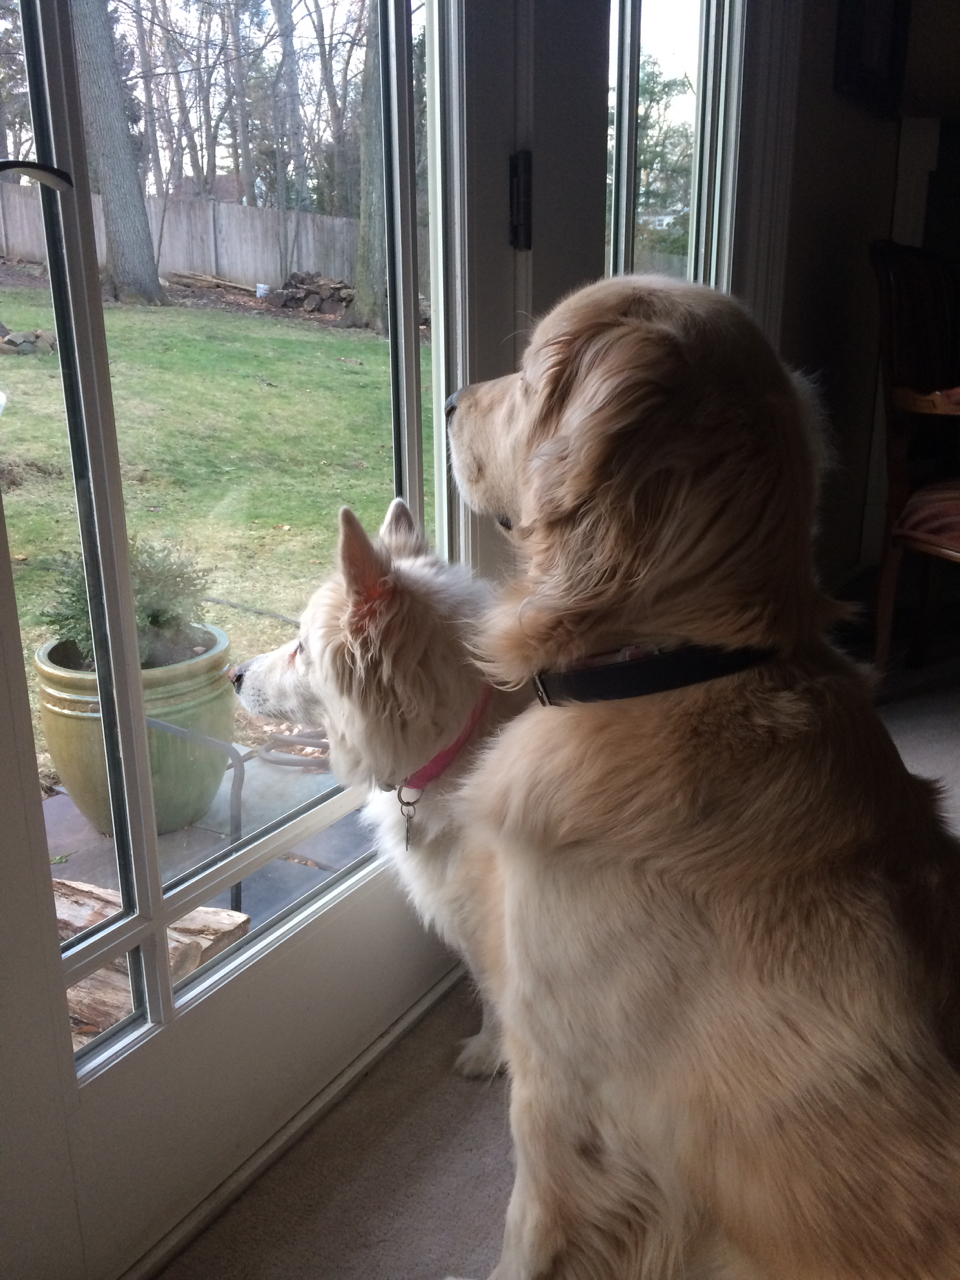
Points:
(731, 918)
(382, 663)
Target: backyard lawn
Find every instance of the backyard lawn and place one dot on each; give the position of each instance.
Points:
(241, 434)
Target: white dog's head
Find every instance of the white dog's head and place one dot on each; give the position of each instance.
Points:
(657, 468)
(382, 661)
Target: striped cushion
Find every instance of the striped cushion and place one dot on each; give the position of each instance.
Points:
(932, 516)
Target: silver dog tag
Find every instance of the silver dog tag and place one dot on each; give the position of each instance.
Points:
(408, 808)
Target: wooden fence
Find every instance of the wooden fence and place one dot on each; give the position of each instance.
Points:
(232, 241)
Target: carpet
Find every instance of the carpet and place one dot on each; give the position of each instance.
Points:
(406, 1179)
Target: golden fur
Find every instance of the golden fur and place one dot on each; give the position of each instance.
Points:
(730, 917)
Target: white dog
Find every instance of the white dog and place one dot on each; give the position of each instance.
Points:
(383, 663)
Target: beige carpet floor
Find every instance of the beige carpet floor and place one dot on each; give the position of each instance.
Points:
(408, 1177)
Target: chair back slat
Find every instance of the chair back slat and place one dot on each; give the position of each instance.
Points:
(919, 317)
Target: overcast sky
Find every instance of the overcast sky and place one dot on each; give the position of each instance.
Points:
(670, 31)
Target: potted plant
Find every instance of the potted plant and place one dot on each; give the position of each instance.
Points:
(184, 671)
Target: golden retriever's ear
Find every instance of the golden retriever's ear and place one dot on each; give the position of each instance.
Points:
(399, 531)
(365, 567)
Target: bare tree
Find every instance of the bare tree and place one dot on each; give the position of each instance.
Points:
(370, 303)
(131, 270)
(289, 109)
(336, 50)
(145, 56)
(241, 110)
(15, 123)
(184, 128)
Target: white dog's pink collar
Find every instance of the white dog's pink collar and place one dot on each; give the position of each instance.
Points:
(443, 759)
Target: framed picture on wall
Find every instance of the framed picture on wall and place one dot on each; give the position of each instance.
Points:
(872, 53)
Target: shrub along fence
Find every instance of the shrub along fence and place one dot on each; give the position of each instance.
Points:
(231, 241)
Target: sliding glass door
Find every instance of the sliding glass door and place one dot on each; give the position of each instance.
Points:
(220, 328)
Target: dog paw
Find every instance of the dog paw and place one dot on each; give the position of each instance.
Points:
(480, 1055)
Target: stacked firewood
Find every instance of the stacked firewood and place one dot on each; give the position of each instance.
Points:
(101, 1000)
(307, 291)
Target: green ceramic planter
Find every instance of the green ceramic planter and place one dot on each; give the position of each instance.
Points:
(195, 694)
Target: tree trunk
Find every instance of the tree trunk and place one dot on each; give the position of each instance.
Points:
(239, 77)
(207, 58)
(131, 270)
(149, 110)
(185, 126)
(370, 304)
(329, 44)
(4, 146)
(280, 173)
(290, 112)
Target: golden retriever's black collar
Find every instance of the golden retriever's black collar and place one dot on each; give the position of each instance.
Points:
(625, 676)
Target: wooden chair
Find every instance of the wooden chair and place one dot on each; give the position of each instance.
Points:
(920, 362)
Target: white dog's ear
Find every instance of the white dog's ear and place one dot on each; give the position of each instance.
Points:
(399, 531)
(363, 565)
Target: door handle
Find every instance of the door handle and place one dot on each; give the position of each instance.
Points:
(59, 179)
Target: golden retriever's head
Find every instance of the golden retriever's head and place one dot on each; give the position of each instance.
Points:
(657, 467)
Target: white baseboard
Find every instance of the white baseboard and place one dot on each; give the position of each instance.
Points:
(175, 1241)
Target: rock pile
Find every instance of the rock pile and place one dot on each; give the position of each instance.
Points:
(27, 342)
(304, 291)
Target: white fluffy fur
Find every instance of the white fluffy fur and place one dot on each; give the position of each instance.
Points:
(382, 663)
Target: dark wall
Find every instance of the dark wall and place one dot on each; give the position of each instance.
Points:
(844, 179)
(942, 231)
(932, 85)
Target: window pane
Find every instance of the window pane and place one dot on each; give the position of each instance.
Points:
(251, 404)
(666, 115)
(252, 903)
(40, 511)
(257, 400)
(102, 1001)
(669, 48)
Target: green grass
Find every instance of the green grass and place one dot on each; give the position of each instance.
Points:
(229, 425)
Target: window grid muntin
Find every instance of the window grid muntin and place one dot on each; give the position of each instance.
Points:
(194, 890)
(716, 143)
(403, 307)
